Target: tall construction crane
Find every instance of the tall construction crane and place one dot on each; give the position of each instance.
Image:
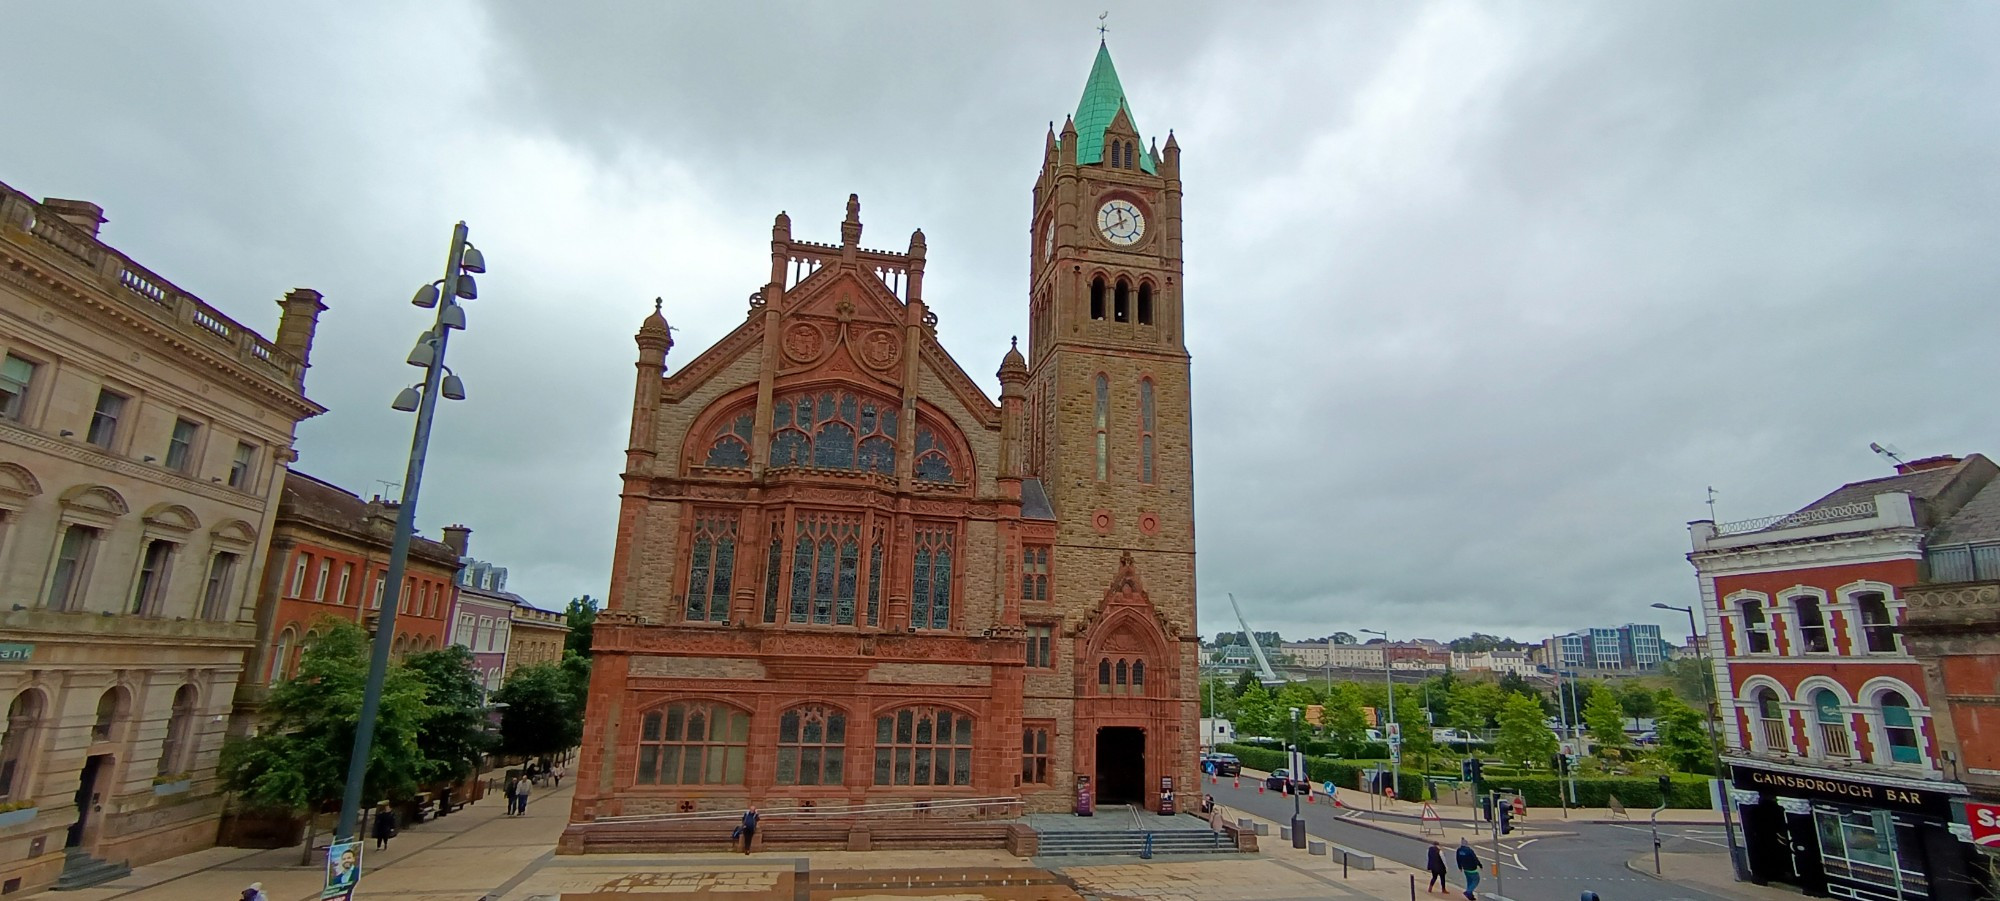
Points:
(1264, 672)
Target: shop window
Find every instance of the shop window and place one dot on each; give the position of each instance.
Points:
(693, 743)
(1836, 740)
(1756, 629)
(1899, 728)
(1878, 625)
(1812, 624)
(1861, 846)
(923, 746)
(1772, 737)
(812, 746)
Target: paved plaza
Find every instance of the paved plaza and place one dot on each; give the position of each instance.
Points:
(479, 853)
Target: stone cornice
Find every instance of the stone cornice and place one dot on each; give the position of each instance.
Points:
(89, 455)
(55, 287)
(1871, 547)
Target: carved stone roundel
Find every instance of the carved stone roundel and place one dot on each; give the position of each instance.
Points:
(878, 348)
(803, 342)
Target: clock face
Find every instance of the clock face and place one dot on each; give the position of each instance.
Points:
(1049, 241)
(1121, 223)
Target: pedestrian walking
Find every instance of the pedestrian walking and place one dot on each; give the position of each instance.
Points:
(385, 826)
(513, 798)
(521, 797)
(558, 774)
(1468, 863)
(1214, 815)
(255, 892)
(1438, 870)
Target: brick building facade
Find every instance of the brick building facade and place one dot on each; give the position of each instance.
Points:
(1829, 736)
(144, 436)
(845, 575)
(330, 553)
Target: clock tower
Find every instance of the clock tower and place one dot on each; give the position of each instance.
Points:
(1108, 437)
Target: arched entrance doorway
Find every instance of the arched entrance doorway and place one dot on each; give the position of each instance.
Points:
(1121, 765)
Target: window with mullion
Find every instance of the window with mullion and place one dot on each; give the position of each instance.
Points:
(693, 743)
(1035, 755)
(1035, 573)
(711, 566)
(812, 746)
(923, 746)
(826, 556)
(930, 577)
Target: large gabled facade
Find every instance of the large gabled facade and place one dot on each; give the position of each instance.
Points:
(846, 576)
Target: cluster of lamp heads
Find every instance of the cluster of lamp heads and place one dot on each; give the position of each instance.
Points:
(425, 354)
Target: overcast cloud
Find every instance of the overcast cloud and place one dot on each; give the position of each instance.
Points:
(1481, 296)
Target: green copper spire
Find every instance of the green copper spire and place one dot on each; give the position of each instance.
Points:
(1103, 96)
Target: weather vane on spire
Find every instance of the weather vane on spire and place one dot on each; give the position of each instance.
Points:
(1101, 27)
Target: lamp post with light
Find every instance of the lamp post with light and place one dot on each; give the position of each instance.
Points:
(422, 398)
(1389, 722)
(1714, 714)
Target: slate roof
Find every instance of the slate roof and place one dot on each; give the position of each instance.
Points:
(332, 507)
(1976, 522)
(1939, 492)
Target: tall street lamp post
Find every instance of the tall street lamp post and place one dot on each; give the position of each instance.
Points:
(1714, 715)
(443, 294)
(1298, 775)
(1389, 722)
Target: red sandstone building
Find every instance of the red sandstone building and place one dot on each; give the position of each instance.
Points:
(1830, 741)
(844, 575)
(329, 555)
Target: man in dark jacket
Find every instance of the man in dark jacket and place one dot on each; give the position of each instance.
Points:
(1436, 865)
(385, 826)
(1468, 863)
(749, 828)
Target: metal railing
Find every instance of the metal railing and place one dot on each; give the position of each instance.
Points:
(1961, 563)
(1776, 739)
(1837, 742)
(814, 811)
(1841, 513)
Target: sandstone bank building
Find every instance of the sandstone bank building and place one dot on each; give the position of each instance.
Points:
(844, 575)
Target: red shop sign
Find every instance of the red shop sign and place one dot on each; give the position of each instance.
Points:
(1985, 822)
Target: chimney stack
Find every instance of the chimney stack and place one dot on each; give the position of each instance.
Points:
(297, 324)
(81, 213)
(458, 538)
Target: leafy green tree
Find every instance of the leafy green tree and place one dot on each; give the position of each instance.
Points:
(1342, 638)
(1605, 718)
(1690, 679)
(452, 733)
(1473, 705)
(1417, 741)
(1525, 738)
(297, 762)
(1257, 713)
(543, 712)
(1346, 724)
(1244, 682)
(1684, 740)
(582, 613)
(1639, 702)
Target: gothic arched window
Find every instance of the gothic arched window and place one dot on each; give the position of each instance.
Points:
(930, 576)
(731, 447)
(693, 743)
(1139, 676)
(826, 553)
(834, 430)
(875, 579)
(812, 746)
(1097, 297)
(1121, 302)
(1146, 430)
(1103, 421)
(1145, 303)
(1103, 675)
(711, 566)
(923, 746)
(933, 465)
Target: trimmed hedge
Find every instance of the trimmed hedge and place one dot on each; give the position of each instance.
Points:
(1342, 773)
(1635, 792)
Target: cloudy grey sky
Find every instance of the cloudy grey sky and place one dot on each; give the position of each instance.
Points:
(1481, 296)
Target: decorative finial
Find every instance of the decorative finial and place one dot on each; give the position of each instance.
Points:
(1014, 342)
(657, 303)
(1101, 27)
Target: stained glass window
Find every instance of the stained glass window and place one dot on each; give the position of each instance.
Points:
(711, 566)
(1146, 430)
(826, 553)
(930, 577)
(834, 430)
(923, 746)
(771, 573)
(730, 448)
(693, 744)
(812, 746)
(933, 464)
(875, 581)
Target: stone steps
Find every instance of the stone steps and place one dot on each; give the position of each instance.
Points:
(1131, 843)
(82, 871)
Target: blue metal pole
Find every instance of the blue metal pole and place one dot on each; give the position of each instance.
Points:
(399, 551)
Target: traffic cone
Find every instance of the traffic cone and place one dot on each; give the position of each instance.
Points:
(1309, 798)
(1260, 788)
(1236, 782)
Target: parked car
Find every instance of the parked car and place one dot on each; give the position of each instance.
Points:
(1452, 735)
(1649, 738)
(1282, 781)
(1221, 764)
